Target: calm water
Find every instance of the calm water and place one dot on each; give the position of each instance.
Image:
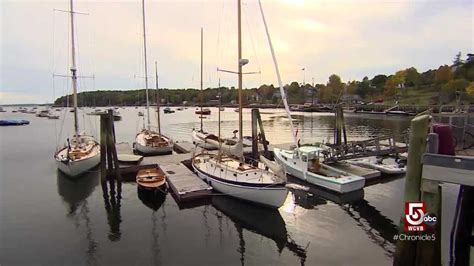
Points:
(48, 219)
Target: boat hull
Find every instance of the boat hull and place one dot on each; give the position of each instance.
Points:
(147, 150)
(386, 169)
(79, 167)
(333, 184)
(199, 139)
(269, 196)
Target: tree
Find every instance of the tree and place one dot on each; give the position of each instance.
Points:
(391, 86)
(336, 86)
(443, 74)
(455, 85)
(379, 82)
(363, 88)
(412, 78)
(470, 89)
(457, 60)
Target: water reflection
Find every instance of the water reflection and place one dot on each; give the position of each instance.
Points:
(378, 227)
(112, 194)
(154, 199)
(151, 198)
(263, 221)
(74, 193)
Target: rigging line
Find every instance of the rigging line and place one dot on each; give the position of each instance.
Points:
(219, 32)
(251, 38)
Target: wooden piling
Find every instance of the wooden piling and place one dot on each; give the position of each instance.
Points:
(406, 251)
(108, 153)
(254, 134)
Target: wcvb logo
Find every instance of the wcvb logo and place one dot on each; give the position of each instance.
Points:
(416, 218)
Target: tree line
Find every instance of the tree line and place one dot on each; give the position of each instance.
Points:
(441, 85)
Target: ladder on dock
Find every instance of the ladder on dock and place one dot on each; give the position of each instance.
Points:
(380, 146)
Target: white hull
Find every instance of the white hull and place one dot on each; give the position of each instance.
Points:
(147, 150)
(384, 168)
(141, 146)
(75, 168)
(273, 197)
(199, 139)
(341, 184)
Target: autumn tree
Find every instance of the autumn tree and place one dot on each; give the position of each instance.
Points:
(470, 89)
(443, 74)
(335, 85)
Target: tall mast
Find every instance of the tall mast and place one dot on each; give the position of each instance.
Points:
(73, 72)
(219, 113)
(202, 97)
(239, 45)
(157, 99)
(146, 70)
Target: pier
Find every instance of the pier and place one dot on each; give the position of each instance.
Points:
(182, 181)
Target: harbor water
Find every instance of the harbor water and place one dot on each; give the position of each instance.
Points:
(49, 219)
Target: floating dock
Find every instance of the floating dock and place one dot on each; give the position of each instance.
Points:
(184, 183)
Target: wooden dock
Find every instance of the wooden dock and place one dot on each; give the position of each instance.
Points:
(184, 183)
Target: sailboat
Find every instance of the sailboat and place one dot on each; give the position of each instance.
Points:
(200, 136)
(148, 141)
(81, 152)
(230, 173)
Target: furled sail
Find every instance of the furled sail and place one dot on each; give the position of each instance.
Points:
(236, 150)
(276, 168)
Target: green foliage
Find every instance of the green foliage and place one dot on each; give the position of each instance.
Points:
(455, 85)
(378, 82)
(412, 77)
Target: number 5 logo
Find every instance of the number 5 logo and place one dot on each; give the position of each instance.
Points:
(414, 212)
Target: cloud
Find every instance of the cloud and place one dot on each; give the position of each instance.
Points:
(351, 38)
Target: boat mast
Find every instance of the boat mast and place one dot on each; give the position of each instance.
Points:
(240, 63)
(146, 70)
(157, 99)
(73, 72)
(202, 97)
(277, 70)
(219, 113)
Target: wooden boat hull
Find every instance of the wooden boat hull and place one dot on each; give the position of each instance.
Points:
(341, 185)
(151, 179)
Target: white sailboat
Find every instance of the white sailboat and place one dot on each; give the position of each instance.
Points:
(228, 171)
(81, 152)
(199, 136)
(148, 141)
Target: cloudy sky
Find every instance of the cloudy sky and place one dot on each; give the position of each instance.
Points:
(352, 38)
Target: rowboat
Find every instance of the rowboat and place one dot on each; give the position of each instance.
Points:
(151, 179)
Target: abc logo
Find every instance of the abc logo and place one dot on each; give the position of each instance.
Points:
(429, 220)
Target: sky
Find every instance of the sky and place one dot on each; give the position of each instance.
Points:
(351, 38)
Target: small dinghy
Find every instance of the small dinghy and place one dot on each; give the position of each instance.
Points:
(151, 179)
(129, 158)
(379, 164)
(14, 122)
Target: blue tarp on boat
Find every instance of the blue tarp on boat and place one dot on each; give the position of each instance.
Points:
(13, 122)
